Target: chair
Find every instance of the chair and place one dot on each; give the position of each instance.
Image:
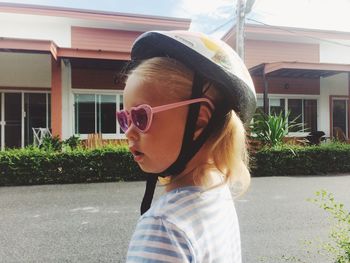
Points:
(339, 134)
(39, 134)
(315, 137)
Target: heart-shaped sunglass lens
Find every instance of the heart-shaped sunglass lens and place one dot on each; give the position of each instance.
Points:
(140, 118)
(123, 121)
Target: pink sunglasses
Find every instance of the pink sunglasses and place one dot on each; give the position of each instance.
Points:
(141, 116)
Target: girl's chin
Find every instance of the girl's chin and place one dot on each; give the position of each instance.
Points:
(149, 169)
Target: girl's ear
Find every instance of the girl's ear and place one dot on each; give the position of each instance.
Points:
(203, 119)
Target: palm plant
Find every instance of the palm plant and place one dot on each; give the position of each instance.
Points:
(271, 129)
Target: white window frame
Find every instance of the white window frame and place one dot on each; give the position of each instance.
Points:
(286, 97)
(95, 92)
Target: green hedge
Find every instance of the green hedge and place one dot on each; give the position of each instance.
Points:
(35, 166)
(297, 160)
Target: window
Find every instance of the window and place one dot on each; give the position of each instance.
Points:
(303, 110)
(95, 113)
(277, 106)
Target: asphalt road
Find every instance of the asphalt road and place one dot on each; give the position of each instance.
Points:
(94, 222)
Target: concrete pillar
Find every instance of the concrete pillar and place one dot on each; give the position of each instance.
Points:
(56, 97)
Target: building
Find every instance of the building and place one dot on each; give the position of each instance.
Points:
(302, 70)
(58, 69)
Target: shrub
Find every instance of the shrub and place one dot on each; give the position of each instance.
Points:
(339, 245)
(337, 248)
(35, 166)
(301, 160)
(73, 142)
(51, 143)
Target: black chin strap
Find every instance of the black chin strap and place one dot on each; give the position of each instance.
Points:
(189, 146)
(149, 192)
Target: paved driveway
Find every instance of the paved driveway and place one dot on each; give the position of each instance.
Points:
(94, 222)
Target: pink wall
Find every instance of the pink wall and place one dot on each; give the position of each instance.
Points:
(257, 52)
(104, 39)
(94, 79)
(295, 85)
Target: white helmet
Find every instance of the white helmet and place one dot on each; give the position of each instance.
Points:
(210, 57)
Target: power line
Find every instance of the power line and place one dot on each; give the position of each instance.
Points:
(297, 33)
(222, 25)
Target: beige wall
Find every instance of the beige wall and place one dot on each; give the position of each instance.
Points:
(336, 85)
(22, 70)
(257, 52)
(332, 53)
(104, 39)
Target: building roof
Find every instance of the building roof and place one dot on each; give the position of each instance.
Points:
(286, 34)
(298, 69)
(45, 46)
(135, 22)
(113, 26)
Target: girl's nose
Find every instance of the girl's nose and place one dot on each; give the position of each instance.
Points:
(131, 133)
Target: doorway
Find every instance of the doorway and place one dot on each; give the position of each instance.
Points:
(19, 113)
(340, 124)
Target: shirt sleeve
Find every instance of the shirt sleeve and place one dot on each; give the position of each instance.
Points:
(157, 240)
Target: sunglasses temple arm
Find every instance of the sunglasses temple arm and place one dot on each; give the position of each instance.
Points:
(180, 104)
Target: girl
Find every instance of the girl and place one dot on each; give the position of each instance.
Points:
(184, 107)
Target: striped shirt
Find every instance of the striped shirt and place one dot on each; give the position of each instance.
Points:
(188, 225)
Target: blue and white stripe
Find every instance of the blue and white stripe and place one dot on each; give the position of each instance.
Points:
(188, 225)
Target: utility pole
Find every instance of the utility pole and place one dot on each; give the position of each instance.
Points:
(243, 8)
(240, 28)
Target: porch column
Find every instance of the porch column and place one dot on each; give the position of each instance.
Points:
(56, 97)
(266, 90)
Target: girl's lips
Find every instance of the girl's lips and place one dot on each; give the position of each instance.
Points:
(138, 157)
(137, 154)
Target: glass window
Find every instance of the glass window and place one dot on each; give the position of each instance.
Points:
(121, 106)
(49, 111)
(277, 106)
(106, 114)
(340, 115)
(310, 115)
(259, 105)
(304, 111)
(84, 113)
(95, 113)
(295, 106)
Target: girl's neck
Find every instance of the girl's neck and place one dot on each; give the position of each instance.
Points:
(207, 178)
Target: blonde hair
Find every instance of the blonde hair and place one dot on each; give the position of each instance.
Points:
(227, 147)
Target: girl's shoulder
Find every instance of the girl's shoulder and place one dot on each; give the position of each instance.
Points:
(180, 203)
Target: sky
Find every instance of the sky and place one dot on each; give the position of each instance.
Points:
(215, 17)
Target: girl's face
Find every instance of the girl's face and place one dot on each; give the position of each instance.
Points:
(160, 146)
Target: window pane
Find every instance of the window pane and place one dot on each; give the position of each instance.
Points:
(107, 112)
(296, 110)
(13, 119)
(259, 105)
(310, 115)
(49, 111)
(35, 108)
(340, 115)
(276, 106)
(121, 106)
(84, 113)
(0, 122)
